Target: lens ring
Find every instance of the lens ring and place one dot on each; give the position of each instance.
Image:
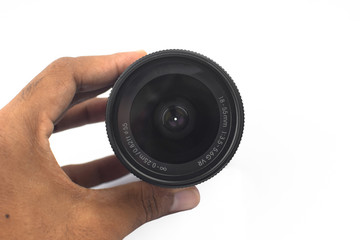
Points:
(227, 104)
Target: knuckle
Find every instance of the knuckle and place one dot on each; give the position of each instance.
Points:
(59, 71)
(63, 62)
(150, 201)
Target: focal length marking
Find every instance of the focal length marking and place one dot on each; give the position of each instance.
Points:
(225, 112)
(221, 140)
(135, 151)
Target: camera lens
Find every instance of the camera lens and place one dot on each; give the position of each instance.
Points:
(174, 118)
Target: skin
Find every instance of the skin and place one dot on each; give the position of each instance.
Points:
(41, 200)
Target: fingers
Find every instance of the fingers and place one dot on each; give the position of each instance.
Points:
(90, 111)
(50, 93)
(129, 206)
(96, 172)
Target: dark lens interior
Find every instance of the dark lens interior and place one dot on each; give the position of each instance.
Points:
(174, 118)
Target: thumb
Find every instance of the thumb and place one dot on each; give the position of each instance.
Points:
(130, 206)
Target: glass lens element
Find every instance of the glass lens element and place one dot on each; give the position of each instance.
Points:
(173, 118)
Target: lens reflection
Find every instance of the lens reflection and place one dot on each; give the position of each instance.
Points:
(175, 118)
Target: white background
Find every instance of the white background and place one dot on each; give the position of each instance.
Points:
(296, 174)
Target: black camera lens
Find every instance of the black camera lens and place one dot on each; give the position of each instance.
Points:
(174, 118)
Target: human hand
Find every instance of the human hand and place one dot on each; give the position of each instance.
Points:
(41, 200)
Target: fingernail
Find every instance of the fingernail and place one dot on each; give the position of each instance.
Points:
(185, 200)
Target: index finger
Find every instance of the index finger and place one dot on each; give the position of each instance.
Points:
(50, 93)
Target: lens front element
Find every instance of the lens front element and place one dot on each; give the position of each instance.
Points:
(153, 113)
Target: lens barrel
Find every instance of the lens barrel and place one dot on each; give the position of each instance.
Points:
(174, 118)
